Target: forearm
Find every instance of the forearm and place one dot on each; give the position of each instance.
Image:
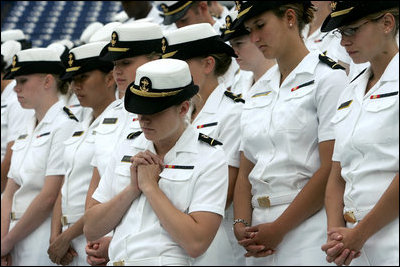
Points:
(5, 165)
(74, 230)
(192, 234)
(56, 219)
(36, 213)
(94, 182)
(233, 172)
(242, 199)
(307, 202)
(102, 218)
(5, 215)
(384, 212)
(334, 197)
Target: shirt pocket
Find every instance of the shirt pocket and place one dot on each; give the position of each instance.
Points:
(176, 185)
(294, 112)
(122, 177)
(380, 123)
(106, 128)
(255, 116)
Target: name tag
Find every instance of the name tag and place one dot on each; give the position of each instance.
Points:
(78, 133)
(110, 120)
(345, 104)
(261, 94)
(126, 158)
(21, 137)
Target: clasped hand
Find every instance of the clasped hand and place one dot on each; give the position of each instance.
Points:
(145, 170)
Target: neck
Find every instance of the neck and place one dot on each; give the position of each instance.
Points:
(380, 63)
(207, 88)
(291, 58)
(260, 71)
(163, 146)
(103, 105)
(41, 110)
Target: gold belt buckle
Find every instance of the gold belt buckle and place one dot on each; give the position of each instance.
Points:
(64, 220)
(12, 216)
(119, 263)
(349, 217)
(264, 202)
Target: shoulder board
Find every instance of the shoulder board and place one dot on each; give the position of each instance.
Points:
(330, 62)
(358, 75)
(235, 98)
(133, 135)
(209, 140)
(70, 114)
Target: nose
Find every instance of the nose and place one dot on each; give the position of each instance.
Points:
(254, 38)
(345, 41)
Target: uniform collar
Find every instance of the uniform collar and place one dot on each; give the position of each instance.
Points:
(212, 103)
(53, 112)
(308, 64)
(391, 70)
(186, 143)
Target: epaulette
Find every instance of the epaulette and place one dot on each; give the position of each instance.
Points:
(235, 98)
(330, 62)
(133, 135)
(209, 140)
(358, 75)
(70, 114)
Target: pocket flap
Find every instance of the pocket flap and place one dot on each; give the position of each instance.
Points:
(259, 100)
(378, 104)
(340, 115)
(178, 175)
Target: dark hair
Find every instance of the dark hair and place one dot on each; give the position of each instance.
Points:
(222, 63)
(62, 85)
(304, 13)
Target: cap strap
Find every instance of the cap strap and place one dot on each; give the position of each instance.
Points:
(153, 94)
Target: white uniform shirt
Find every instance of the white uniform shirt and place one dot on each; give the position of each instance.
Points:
(117, 123)
(72, 103)
(219, 118)
(39, 153)
(140, 235)
(79, 151)
(13, 117)
(242, 82)
(281, 127)
(325, 42)
(367, 137)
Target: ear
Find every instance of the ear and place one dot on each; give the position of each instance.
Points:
(388, 23)
(110, 82)
(49, 81)
(208, 64)
(290, 16)
(184, 108)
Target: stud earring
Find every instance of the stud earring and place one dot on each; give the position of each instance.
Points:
(290, 24)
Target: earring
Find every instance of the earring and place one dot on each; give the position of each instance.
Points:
(290, 25)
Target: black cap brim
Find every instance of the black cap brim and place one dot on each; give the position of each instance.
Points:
(168, 20)
(48, 67)
(88, 66)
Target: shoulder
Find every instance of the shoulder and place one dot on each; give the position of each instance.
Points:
(133, 135)
(70, 114)
(208, 140)
(330, 62)
(236, 98)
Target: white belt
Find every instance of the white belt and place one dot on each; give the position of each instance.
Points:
(69, 219)
(265, 201)
(15, 215)
(154, 261)
(353, 216)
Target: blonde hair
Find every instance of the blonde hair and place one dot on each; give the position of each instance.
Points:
(393, 11)
(304, 13)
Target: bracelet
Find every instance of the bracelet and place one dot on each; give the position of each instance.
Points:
(240, 221)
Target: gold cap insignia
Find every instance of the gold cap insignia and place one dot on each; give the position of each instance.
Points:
(71, 59)
(163, 45)
(164, 8)
(145, 84)
(238, 4)
(333, 5)
(14, 61)
(114, 38)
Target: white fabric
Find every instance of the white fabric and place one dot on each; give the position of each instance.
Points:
(281, 130)
(35, 156)
(13, 117)
(73, 104)
(203, 188)
(225, 112)
(367, 138)
(242, 82)
(108, 136)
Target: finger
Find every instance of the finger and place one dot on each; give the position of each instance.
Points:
(350, 258)
(336, 236)
(96, 260)
(255, 248)
(358, 254)
(264, 253)
(342, 257)
(335, 250)
(330, 259)
(245, 242)
(147, 157)
(329, 245)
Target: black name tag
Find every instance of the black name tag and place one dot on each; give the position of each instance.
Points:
(126, 158)
(78, 133)
(110, 120)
